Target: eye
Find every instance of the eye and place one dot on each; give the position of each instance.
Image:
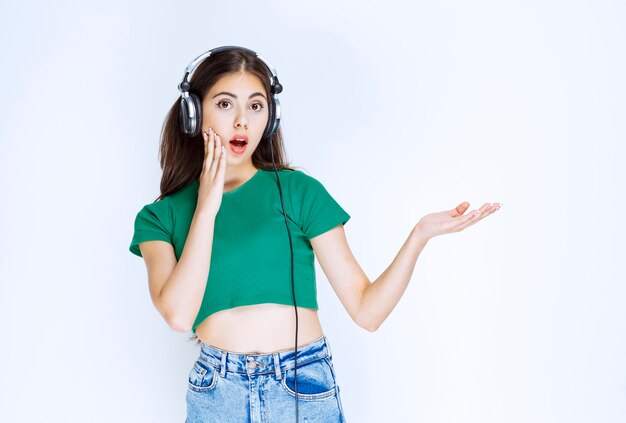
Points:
(258, 109)
(219, 103)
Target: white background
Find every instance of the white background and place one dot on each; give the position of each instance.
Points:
(400, 110)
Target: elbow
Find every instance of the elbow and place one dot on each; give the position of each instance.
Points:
(366, 322)
(371, 328)
(178, 325)
(176, 322)
(368, 326)
(173, 317)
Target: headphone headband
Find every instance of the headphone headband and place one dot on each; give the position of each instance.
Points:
(195, 62)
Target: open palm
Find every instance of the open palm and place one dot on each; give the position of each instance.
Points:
(454, 220)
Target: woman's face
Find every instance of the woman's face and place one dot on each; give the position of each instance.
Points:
(236, 106)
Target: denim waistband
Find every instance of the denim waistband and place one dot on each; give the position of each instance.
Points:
(257, 363)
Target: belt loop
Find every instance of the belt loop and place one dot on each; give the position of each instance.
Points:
(279, 374)
(330, 354)
(223, 367)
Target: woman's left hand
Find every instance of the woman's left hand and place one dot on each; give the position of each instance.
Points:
(449, 221)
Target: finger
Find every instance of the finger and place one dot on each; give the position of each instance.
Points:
(218, 153)
(223, 154)
(486, 210)
(205, 144)
(221, 146)
(211, 147)
(491, 209)
(205, 138)
(461, 208)
(494, 207)
(208, 149)
(474, 217)
(222, 167)
(217, 162)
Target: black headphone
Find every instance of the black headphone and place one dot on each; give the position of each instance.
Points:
(191, 106)
(191, 122)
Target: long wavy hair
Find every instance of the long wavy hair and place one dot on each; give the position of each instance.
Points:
(181, 156)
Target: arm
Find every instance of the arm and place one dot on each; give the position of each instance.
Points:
(367, 303)
(382, 296)
(177, 288)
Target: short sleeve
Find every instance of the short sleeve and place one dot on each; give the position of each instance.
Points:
(153, 222)
(314, 208)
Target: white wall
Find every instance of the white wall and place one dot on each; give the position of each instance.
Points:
(400, 109)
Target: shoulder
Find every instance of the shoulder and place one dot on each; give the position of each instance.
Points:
(159, 209)
(182, 193)
(171, 201)
(299, 179)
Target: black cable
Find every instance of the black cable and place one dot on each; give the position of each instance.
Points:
(293, 288)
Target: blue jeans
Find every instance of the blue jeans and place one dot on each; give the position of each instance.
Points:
(226, 387)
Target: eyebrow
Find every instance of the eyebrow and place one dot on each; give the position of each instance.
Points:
(234, 96)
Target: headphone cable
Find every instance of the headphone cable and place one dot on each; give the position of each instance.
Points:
(293, 289)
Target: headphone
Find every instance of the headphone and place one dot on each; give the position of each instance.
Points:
(191, 105)
(191, 122)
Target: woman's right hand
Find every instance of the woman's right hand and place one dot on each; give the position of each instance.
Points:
(211, 185)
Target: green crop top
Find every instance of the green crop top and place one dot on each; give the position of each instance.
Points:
(251, 258)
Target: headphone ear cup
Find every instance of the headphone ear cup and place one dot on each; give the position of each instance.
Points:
(184, 115)
(197, 104)
(269, 129)
(191, 106)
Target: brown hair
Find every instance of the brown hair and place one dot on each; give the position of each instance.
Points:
(181, 156)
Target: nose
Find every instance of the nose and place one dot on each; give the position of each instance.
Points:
(241, 122)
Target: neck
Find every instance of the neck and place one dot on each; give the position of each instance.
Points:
(237, 175)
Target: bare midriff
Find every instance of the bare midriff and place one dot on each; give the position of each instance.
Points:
(260, 328)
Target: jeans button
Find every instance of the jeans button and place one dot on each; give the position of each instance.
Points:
(251, 363)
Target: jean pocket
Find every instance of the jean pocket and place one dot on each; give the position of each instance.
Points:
(316, 380)
(202, 377)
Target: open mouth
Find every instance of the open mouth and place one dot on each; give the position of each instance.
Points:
(238, 146)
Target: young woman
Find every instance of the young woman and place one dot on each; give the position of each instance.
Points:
(230, 244)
